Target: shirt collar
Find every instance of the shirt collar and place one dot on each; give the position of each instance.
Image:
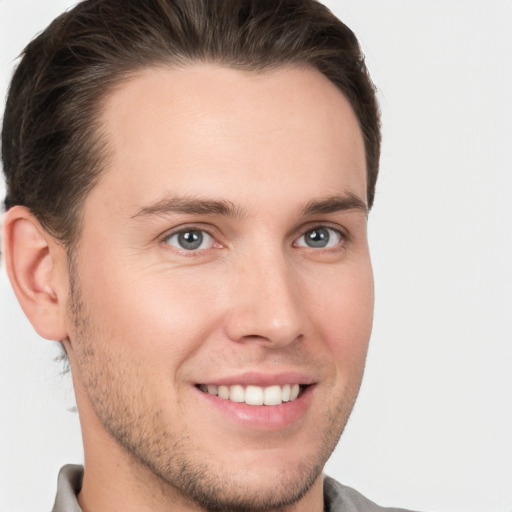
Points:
(68, 487)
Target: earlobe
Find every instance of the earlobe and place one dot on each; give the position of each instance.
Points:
(34, 264)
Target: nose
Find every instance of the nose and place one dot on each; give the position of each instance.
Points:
(265, 303)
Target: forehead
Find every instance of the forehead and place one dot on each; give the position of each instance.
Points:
(212, 130)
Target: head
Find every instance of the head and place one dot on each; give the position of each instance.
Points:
(188, 185)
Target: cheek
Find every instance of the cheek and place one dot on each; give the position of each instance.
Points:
(347, 315)
(159, 317)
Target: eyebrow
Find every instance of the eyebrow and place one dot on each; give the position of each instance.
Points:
(200, 206)
(332, 204)
(190, 205)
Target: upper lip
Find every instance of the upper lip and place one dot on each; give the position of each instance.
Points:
(263, 379)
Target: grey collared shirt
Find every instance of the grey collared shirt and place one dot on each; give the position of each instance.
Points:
(337, 497)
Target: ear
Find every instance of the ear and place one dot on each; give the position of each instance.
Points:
(36, 266)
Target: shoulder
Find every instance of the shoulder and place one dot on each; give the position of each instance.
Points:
(340, 498)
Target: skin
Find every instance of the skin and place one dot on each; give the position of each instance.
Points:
(146, 321)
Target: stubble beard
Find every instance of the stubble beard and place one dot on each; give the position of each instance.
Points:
(176, 464)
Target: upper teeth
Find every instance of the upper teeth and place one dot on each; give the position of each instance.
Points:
(254, 395)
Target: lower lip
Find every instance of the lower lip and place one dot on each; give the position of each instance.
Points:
(265, 417)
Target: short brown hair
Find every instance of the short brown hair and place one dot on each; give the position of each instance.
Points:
(52, 148)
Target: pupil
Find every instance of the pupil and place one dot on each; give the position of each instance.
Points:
(190, 239)
(318, 237)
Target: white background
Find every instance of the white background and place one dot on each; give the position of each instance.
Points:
(433, 426)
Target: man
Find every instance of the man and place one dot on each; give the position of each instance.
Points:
(188, 184)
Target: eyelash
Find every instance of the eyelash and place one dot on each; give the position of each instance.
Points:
(342, 239)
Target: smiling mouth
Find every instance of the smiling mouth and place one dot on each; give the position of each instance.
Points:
(255, 395)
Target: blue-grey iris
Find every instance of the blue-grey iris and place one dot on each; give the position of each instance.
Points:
(190, 240)
(318, 237)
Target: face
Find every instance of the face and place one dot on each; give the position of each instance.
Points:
(222, 289)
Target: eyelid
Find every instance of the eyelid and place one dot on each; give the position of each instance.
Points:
(193, 226)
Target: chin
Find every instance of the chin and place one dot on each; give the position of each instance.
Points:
(238, 479)
(248, 490)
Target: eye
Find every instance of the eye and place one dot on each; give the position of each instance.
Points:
(320, 237)
(190, 240)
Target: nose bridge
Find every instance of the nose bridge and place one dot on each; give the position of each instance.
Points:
(266, 302)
